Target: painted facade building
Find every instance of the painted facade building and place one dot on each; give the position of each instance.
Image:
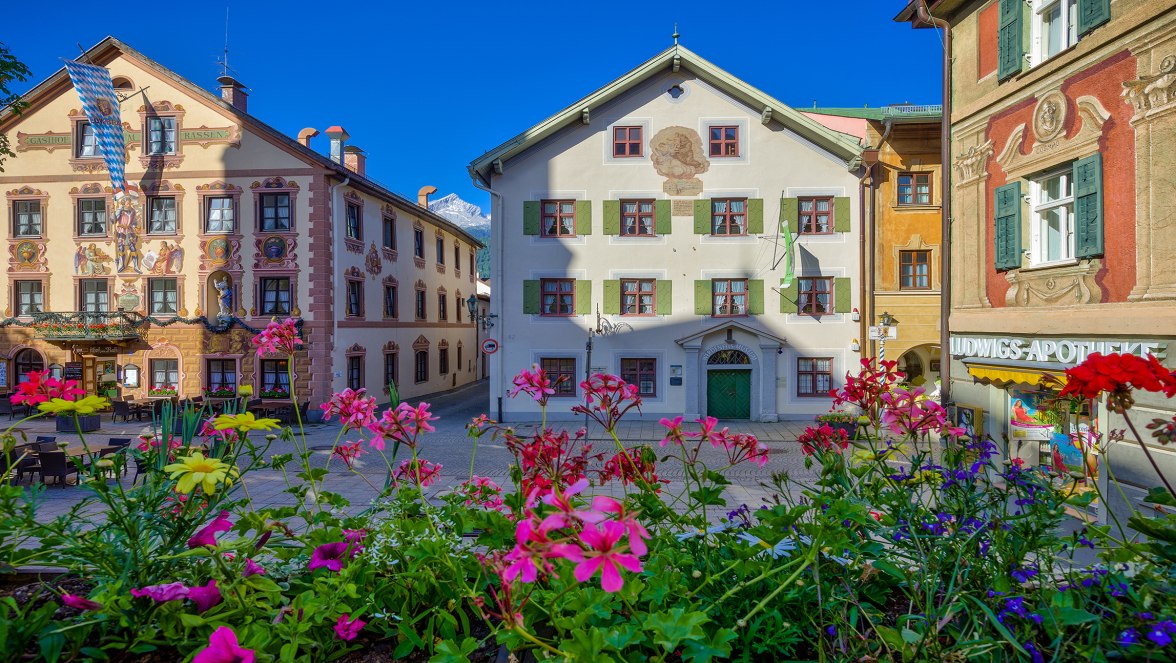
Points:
(639, 232)
(228, 223)
(1063, 128)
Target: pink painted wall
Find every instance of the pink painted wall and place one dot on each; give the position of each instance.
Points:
(847, 125)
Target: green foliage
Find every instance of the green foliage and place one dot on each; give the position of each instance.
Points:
(11, 71)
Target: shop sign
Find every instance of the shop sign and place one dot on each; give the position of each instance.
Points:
(1064, 351)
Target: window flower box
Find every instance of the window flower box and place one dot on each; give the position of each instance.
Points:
(162, 392)
(839, 420)
(221, 392)
(276, 392)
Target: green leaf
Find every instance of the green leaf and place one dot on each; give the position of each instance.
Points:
(448, 651)
(191, 621)
(671, 627)
(586, 645)
(910, 637)
(888, 568)
(717, 646)
(1073, 616)
(1160, 495)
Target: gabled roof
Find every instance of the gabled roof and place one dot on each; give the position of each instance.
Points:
(673, 58)
(106, 50)
(730, 324)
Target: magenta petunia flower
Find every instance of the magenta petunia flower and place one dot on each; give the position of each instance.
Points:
(79, 602)
(223, 648)
(172, 591)
(252, 568)
(207, 535)
(330, 556)
(347, 628)
(205, 597)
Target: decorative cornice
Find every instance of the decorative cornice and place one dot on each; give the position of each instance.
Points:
(970, 164)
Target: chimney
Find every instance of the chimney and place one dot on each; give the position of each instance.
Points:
(338, 136)
(423, 195)
(233, 93)
(355, 160)
(306, 134)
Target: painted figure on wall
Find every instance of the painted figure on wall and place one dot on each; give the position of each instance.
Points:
(224, 298)
(169, 259)
(126, 234)
(90, 260)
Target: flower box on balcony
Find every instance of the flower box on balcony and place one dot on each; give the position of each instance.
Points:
(220, 393)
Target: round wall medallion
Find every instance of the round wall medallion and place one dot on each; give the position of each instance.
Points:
(274, 248)
(1049, 118)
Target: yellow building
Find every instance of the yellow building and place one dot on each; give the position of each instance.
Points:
(227, 224)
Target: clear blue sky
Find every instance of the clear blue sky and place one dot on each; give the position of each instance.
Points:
(426, 87)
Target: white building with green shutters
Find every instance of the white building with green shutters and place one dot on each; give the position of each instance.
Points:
(640, 232)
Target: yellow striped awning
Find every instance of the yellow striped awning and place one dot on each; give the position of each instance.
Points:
(1006, 375)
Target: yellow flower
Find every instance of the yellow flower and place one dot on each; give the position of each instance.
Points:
(245, 390)
(84, 406)
(197, 470)
(244, 422)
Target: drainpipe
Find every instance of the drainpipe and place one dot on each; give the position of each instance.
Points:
(945, 242)
(337, 221)
(863, 290)
(497, 286)
(873, 229)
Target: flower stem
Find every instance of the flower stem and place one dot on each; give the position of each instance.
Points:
(1146, 452)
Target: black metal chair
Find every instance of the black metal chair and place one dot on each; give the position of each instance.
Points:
(6, 407)
(47, 446)
(26, 460)
(141, 467)
(46, 438)
(123, 409)
(56, 464)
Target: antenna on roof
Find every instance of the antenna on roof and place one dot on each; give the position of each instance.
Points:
(675, 35)
(225, 63)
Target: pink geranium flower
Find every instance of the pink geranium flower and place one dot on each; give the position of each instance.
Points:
(604, 554)
(207, 535)
(352, 407)
(347, 628)
(172, 591)
(628, 519)
(529, 556)
(566, 513)
(205, 597)
(280, 338)
(404, 424)
(223, 648)
(534, 383)
(329, 556)
(252, 568)
(79, 602)
(348, 452)
(419, 471)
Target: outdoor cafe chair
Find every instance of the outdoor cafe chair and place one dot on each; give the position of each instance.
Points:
(6, 407)
(46, 446)
(121, 408)
(56, 464)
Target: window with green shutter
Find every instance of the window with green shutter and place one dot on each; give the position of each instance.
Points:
(531, 217)
(702, 297)
(1007, 226)
(755, 297)
(612, 297)
(788, 215)
(1010, 46)
(531, 297)
(665, 296)
(755, 216)
(789, 296)
(842, 295)
(1091, 14)
(612, 217)
(1088, 207)
(842, 222)
(583, 297)
(583, 217)
(702, 216)
(662, 213)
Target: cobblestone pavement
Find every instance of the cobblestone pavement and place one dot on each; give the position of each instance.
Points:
(450, 447)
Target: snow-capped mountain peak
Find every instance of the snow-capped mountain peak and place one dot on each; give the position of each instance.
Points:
(467, 215)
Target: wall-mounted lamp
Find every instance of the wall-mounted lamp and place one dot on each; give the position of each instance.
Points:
(856, 316)
(855, 346)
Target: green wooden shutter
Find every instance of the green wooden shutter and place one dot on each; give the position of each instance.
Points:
(755, 297)
(612, 297)
(842, 295)
(583, 217)
(789, 214)
(663, 226)
(702, 297)
(1088, 207)
(1091, 14)
(755, 216)
(665, 296)
(583, 297)
(531, 217)
(531, 298)
(842, 222)
(702, 216)
(789, 296)
(1007, 226)
(612, 217)
(1010, 46)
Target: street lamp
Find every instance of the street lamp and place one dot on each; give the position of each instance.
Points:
(475, 317)
(885, 322)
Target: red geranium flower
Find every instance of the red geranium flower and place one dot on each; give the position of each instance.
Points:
(1118, 374)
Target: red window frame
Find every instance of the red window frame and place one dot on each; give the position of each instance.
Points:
(638, 370)
(643, 290)
(552, 218)
(723, 303)
(628, 142)
(557, 367)
(808, 219)
(910, 188)
(724, 140)
(810, 367)
(726, 220)
(561, 292)
(631, 221)
(909, 276)
(809, 290)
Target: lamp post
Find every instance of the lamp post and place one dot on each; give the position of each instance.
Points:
(885, 322)
(486, 320)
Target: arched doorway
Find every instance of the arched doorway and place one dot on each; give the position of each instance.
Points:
(25, 362)
(920, 365)
(728, 385)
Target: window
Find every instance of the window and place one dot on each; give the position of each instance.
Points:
(1055, 27)
(442, 307)
(418, 243)
(275, 296)
(162, 296)
(557, 368)
(724, 141)
(275, 211)
(1053, 217)
(87, 141)
(420, 305)
(219, 215)
(354, 299)
(458, 305)
(391, 309)
(627, 142)
(421, 366)
(93, 296)
(30, 297)
(391, 368)
(816, 216)
(730, 297)
(440, 250)
(459, 356)
(637, 218)
(275, 378)
(222, 374)
(914, 270)
(165, 373)
(914, 188)
(26, 218)
(25, 362)
(815, 296)
(814, 376)
(161, 135)
(354, 229)
(471, 262)
(355, 372)
(389, 233)
(163, 216)
(559, 296)
(443, 361)
(92, 216)
(642, 373)
(638, 296)
(728, 216)
(456, 257)
(559, 218)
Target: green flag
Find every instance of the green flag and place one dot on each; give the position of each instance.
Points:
(789, 263)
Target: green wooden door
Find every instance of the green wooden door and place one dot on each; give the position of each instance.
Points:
(728, 394)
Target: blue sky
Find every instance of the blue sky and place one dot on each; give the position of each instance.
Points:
(425, 88)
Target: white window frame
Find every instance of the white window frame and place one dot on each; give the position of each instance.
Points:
(1069, 18)
(162, 135)
(220, 215)
(1037, 257)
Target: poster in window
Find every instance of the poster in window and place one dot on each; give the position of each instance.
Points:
(73, 370)
(1025, 420)
(971, 419)
(3, 373)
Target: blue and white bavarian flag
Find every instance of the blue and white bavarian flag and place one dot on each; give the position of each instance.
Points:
(101, 107)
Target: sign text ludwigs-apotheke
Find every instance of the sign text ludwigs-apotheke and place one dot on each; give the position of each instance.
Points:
(1065, 351)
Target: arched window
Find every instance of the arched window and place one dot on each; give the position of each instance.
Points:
(728, 357)
(25, 362)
